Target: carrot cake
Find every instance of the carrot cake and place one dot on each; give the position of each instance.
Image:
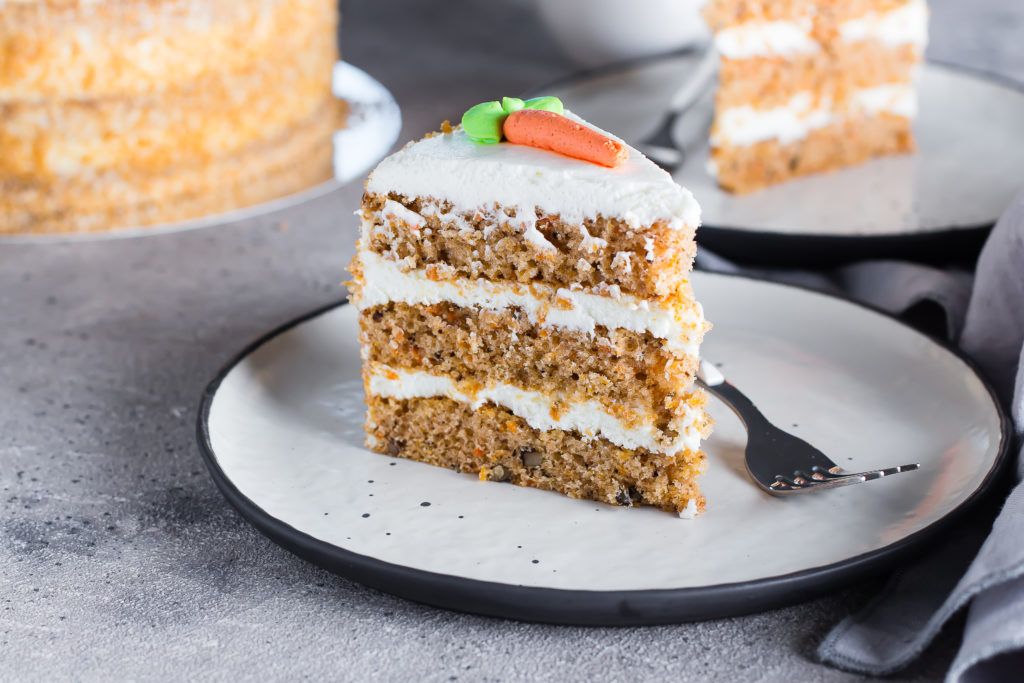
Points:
(812, 85)
(525, 311)
(133, 113)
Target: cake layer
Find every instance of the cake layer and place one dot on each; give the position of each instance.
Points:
(628, 426)
(83, 49)
(802, 114)
(725, 14)
(617, 368)
(678, 320)
(499, 244)
(194, 123)
(500, 446)
(768, 82)
(449, 167)
(295, 160)
(749, 167)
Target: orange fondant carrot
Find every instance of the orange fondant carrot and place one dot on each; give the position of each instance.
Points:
(557, 133)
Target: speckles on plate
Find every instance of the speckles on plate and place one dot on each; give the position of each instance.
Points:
(365, 515)
(425, 504)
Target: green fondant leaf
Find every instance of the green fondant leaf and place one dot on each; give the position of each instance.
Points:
(511, 104)
(483, 122)
(545, 104)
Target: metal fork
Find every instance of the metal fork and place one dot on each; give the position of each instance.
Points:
(660, 146)
(779, 462)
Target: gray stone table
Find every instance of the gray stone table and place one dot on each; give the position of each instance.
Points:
(118, 556)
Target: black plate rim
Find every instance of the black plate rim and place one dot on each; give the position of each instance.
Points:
(581, 607)
(884, 241)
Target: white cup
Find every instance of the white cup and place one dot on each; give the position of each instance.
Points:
(595, 32)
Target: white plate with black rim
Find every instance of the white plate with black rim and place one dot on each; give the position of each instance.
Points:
(372, 126)
(935, 204)
(280, 430)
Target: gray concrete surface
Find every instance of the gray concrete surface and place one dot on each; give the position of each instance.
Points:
(118, 557)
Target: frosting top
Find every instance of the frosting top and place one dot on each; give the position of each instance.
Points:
(450, 166)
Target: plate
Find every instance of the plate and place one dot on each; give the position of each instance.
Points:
(280, 430)
(933, 205)
(373, 124)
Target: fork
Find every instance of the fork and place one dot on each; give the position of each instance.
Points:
(779, 462)
(660, 146)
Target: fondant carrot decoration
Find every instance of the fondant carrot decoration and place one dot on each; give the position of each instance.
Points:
(551, 131)
(539, 123)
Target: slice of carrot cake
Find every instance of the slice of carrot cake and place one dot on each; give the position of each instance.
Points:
(525, 310)
(812, 85)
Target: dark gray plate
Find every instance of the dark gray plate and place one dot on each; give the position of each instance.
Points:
(935, 205)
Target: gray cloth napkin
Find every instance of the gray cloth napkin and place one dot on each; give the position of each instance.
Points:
(975, 567)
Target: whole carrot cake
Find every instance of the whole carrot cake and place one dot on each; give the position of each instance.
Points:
(132, 113)
(525, 311)
(812, 85)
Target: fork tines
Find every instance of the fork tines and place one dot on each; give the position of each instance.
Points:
(836, 476)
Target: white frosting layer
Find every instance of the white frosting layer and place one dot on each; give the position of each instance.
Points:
(543, 411)
(762, 38)
(794, 120)
(904, 25)
(788, 123)
(894, 98)
(472, 176)
(395, 211)
(384, 282)
(690, 511)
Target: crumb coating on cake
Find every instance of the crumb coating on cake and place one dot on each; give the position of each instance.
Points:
(81, 49)
(116, 114)
(293, 161)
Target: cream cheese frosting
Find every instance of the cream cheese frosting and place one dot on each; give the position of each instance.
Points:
(907, 24)
(900, 26)
(762, 38)
(801, 114)
(450, 166)
(544, 411)
(384, 281)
